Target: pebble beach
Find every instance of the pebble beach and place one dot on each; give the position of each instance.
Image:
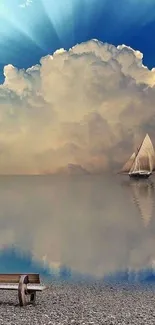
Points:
(84, 304)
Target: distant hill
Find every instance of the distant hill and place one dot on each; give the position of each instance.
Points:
(73, 169)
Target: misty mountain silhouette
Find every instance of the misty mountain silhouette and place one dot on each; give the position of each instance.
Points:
(73, 169)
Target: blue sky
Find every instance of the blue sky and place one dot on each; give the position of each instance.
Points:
(33, 28)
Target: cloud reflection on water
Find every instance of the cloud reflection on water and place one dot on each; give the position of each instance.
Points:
(90, 224)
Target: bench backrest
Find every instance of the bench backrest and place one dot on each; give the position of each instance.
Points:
(14, 278)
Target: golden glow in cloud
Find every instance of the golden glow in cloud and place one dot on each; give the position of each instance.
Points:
(83, 106)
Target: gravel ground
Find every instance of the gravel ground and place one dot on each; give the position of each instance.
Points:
(82, 304)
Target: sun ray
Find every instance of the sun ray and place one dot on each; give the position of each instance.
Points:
(67, 15)
(46, 25)
(20, 20)
(61, 16)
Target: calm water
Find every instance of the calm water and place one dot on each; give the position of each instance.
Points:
(93, 225)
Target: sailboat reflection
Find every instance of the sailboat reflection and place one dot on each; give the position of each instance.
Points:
(143, 197)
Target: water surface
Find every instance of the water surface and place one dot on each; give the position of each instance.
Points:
(94, 225)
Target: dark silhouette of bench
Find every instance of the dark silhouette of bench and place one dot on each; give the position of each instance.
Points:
(26, 284)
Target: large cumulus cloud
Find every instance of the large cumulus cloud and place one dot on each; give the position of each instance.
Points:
(87, 106)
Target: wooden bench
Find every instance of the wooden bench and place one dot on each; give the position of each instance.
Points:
(26, 284)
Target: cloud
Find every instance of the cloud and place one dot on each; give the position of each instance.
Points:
(87, 106)
(25, 4)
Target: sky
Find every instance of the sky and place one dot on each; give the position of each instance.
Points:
(33, 28)
(76, 77)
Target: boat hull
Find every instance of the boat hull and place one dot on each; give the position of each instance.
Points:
(139, 176)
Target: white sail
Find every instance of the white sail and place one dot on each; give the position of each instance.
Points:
(126, 168)
(145, 158)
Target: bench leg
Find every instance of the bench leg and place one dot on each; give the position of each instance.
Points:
(33, 297)
(22, 290)
(22, 296)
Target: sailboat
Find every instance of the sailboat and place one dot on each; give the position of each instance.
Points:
(142, 163)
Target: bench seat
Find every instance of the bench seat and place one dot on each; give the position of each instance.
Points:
(14, 286)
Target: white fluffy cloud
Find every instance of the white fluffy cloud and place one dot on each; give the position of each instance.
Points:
(83, 106)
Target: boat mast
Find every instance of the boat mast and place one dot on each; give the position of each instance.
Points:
(136, 162)
(141, 160)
